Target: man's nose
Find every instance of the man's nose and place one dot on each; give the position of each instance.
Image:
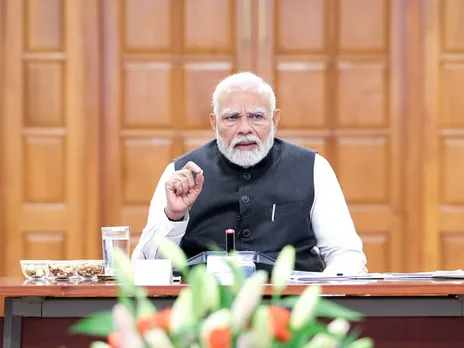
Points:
(244, 125)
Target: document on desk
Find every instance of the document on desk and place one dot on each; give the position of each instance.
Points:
(307, 277)
(457, 274)
(406, 276)
(304, 277)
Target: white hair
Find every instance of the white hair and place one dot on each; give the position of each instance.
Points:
(243, 81)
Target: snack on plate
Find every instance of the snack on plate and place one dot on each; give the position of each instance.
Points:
(34, 269)
(62, 269)
(90, 268)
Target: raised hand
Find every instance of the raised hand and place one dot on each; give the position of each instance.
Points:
(182, 190)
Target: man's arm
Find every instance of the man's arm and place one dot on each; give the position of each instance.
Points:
(158, 224)
(338, 242)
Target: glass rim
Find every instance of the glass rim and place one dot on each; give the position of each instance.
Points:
(115, 229)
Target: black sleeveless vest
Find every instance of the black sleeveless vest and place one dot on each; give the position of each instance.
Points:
(243, 199)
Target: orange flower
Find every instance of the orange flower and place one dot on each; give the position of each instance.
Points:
(279, 318)
(220, 338)
(158, 320)
(113, 340)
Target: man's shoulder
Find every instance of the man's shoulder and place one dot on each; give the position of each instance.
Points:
(296, 149)
(196, 155)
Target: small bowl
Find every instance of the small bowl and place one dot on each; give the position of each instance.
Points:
(90, 269)
(62, 269)
(34, 269)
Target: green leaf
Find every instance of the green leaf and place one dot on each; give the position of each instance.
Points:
(99, 324)
(196, 280)
(262, 335)
(184, 336)
(211, 294)
(350, 338)
(301, 336)
(158, 338)
(99, 344)
(248, 299)
(364, 342)
(126, 302)
(239, 277)
(287, 301)
(182, 311)
(304, 309)
(226, 297)
(282, 269)
(324, 308)
(329, 309)
(124, 273)
(221, 318)
(171, 251)
(144, 306)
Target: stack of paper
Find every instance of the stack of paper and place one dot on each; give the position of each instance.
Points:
(458, 274)
(307, 277)
(301, 277)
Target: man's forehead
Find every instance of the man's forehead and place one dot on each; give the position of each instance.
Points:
(244, 97)
(252, 110)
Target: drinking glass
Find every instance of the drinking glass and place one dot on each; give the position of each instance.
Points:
(112, 238)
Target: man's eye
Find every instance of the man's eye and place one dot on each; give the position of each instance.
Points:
(256, 116)
(231, 118)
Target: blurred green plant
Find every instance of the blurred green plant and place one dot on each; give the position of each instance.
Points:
(207, 314)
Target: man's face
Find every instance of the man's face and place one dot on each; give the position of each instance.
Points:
(245, 127)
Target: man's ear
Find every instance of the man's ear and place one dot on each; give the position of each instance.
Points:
(276, 117)
(213, 121)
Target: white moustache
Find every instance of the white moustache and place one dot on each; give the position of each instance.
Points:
(245, 139)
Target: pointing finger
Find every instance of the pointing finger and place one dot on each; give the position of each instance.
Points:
(193, 167)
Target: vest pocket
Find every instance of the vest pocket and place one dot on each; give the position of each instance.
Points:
(286, 208)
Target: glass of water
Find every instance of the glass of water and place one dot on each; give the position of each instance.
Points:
(112, 238)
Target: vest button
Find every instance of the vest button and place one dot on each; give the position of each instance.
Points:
(246, 176)
(246, 233)
(245, 199)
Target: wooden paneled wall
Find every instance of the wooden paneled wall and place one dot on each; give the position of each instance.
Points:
(97, 96)
(443, 238)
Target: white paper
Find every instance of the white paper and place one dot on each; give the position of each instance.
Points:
(300, 276)
(305, 277)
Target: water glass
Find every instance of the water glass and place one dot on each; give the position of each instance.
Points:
(112, 238)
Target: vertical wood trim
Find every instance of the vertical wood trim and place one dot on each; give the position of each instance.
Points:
(264, 10)
(2, 138)
(13, 111)
(91, 28)
(111, 86)
(413, 136)
(396, 15)
(431, 163)
(243, 24)
(332, 20)
(2, 149)
(76, 128)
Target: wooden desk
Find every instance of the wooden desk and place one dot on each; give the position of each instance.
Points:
(76, 299)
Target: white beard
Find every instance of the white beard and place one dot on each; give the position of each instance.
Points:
(246, 158)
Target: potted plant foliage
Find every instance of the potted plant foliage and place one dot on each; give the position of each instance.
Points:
(207, 314)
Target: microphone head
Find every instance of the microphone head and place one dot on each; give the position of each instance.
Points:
(230, 240)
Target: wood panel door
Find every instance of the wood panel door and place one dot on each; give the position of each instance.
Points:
(443, 169)
(161, 61)
(335, 65)
(49, 130)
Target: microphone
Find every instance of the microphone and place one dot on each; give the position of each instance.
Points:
(230, 240)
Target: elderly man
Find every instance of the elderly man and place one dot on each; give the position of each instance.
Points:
(271, 192)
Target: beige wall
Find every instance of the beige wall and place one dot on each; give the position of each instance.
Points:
(98, 96)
